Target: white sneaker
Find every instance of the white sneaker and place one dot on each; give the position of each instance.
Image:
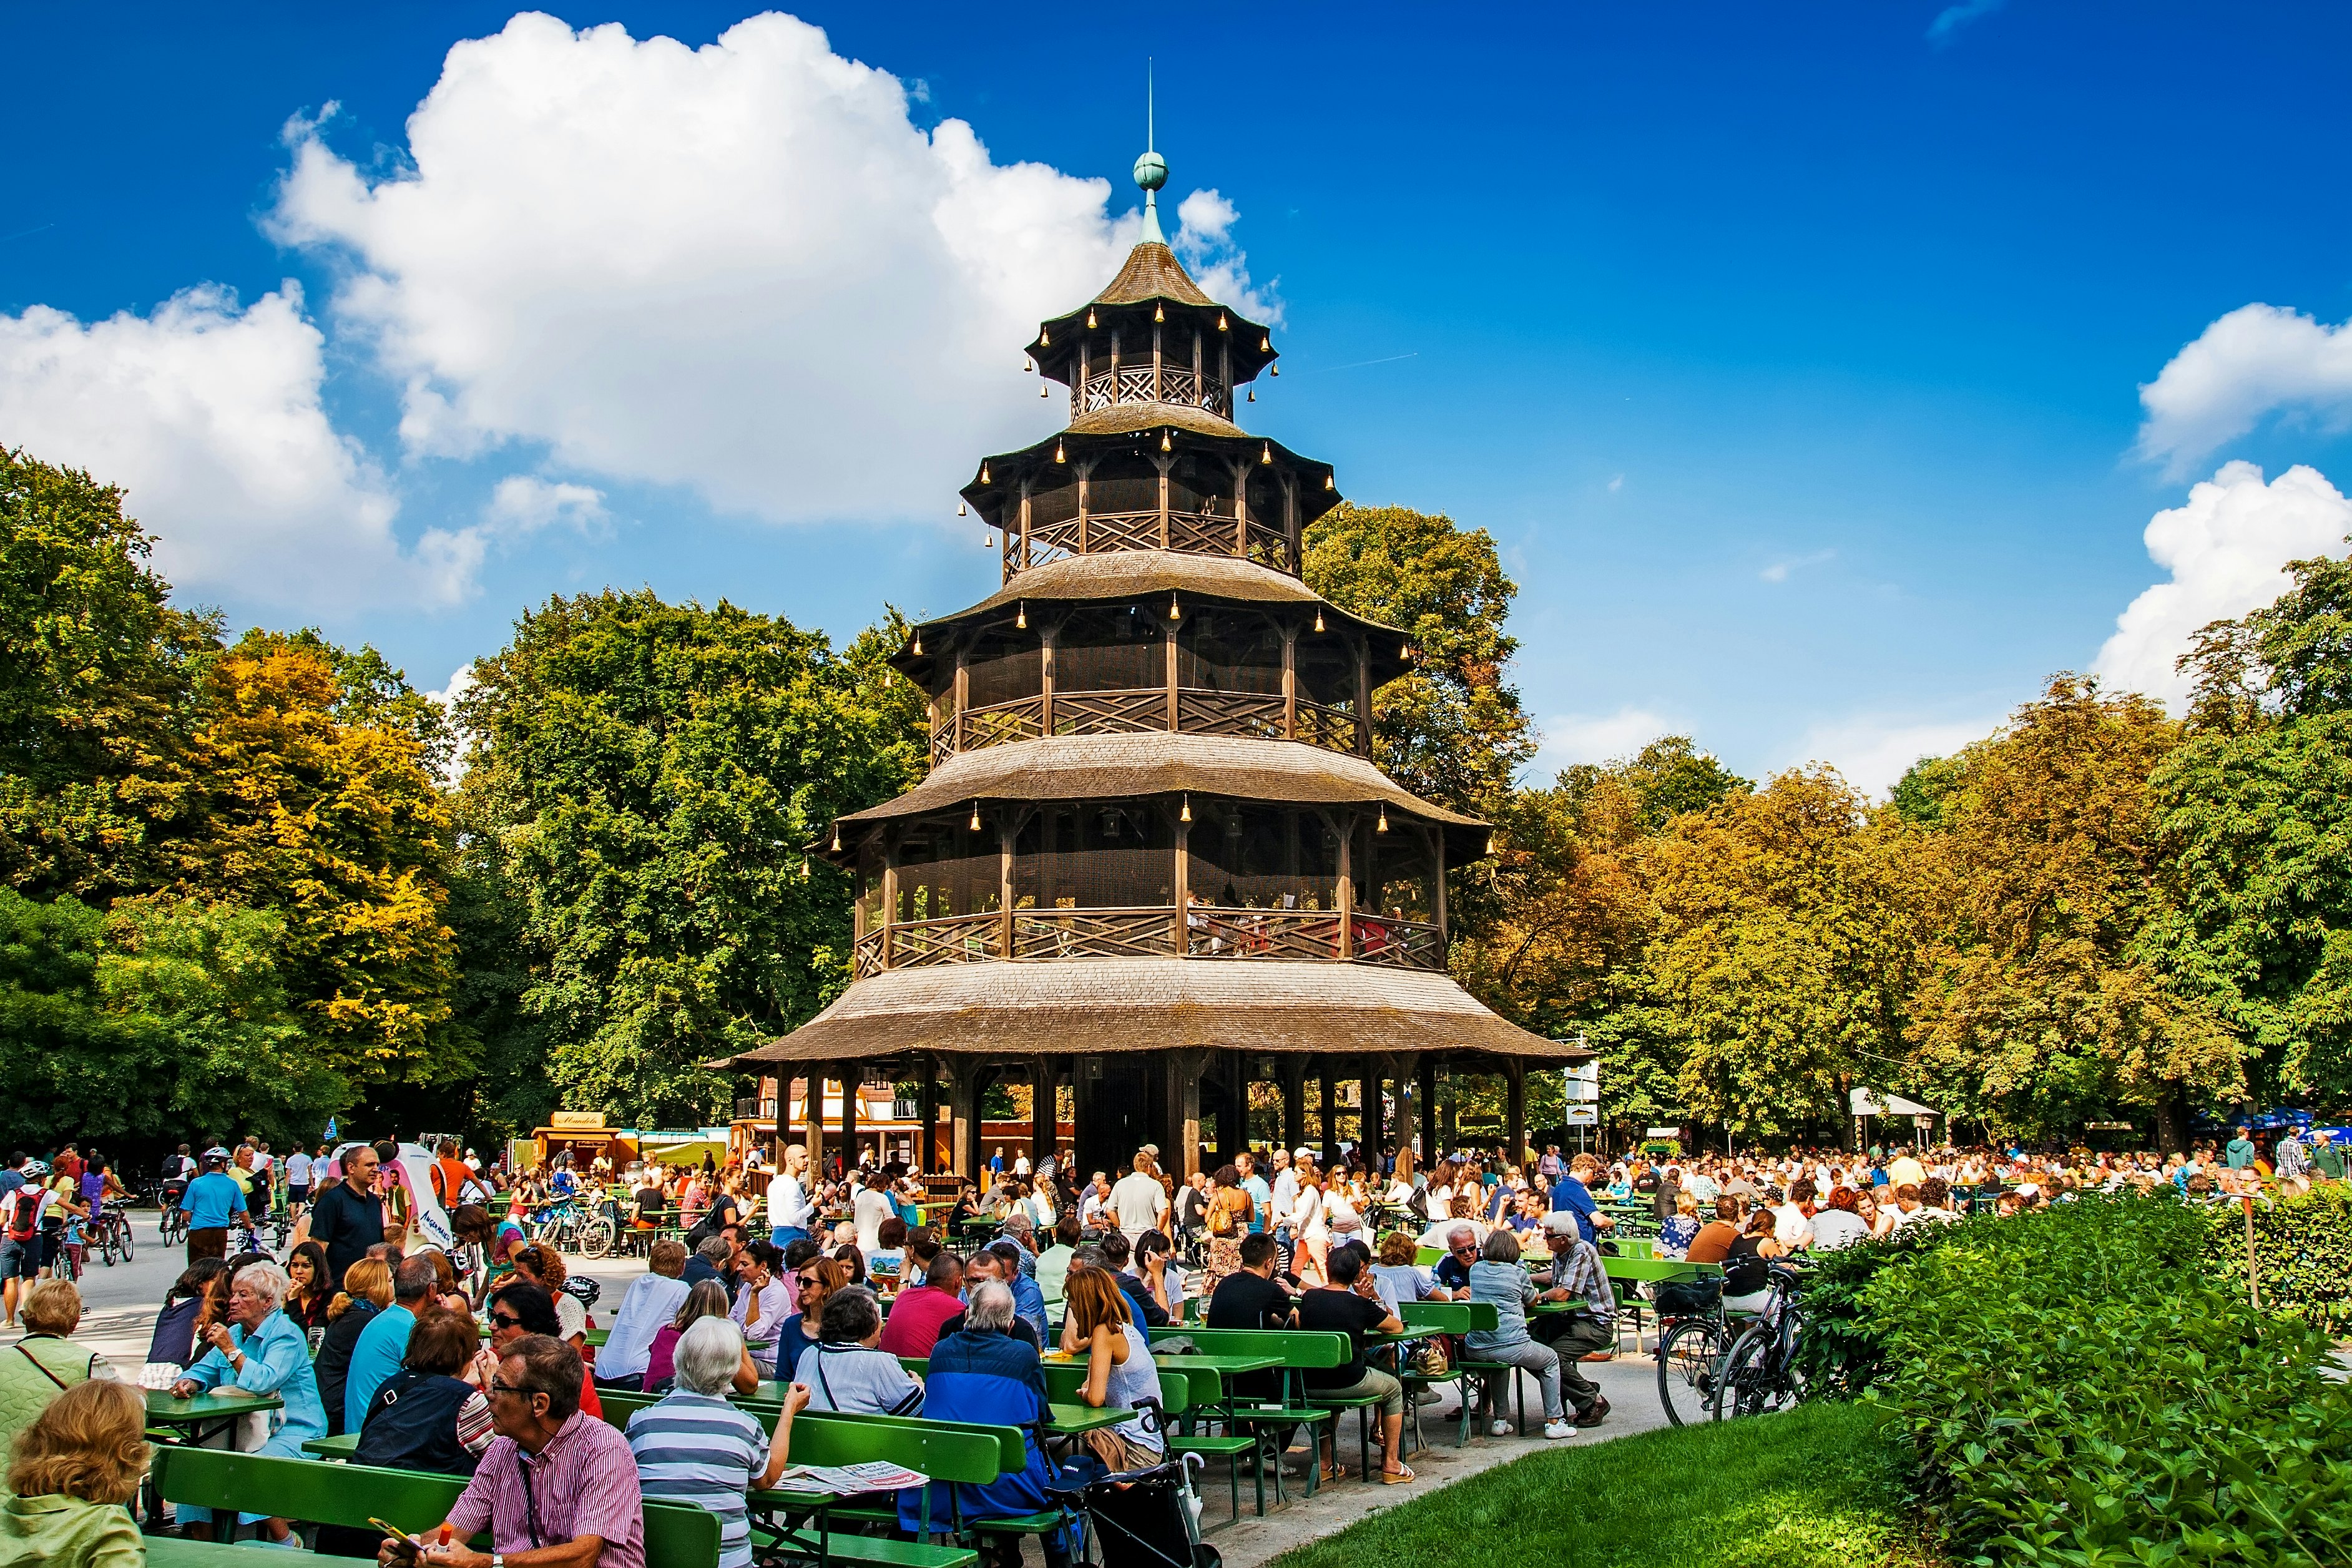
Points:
(1555, 1430)
(1501, 1429)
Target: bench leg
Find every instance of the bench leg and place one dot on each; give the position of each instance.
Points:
(1364, 1441)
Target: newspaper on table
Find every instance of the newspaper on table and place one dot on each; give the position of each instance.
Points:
(871, 1476)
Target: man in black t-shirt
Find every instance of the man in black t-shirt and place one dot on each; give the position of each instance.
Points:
(348, 1217)
(1252, 1299)
(1335, 1308)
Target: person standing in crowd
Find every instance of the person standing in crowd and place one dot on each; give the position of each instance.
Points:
(1138, 1202)
(1261, 1196)
(790, 1204)
(1574, 1195)
(298, 1182)
(348, 1217)
(555, 1476)
(211, 1202)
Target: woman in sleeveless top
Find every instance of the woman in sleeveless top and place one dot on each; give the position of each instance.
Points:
(1226, 1221)
(1119, 1369)
(1310, 1224)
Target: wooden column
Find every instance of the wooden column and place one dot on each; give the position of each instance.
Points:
(1164, 463)
(1085, 473)
(1043, 1082)
(1437, 859)
(1406, 1068)
(1185, 1069)
(1330, 1085)
(1428, 1097)
(1235, 1138)
(1344, 900)
(1290, 521)
(1294, 1100)
(1183, 883)
(962, 690)
(1371, 1129)
(1514, 1109)
(1024, 525)
(927, 1098)
(1290, 682)
(890, 893)
(1363, 695)
(1047, 636)
(1241, 508)
(1200, 387)
(1158, 359)
(813, 1123)
(852, 1077)
(963, 1115)
(1008, 827)
(1172, 627)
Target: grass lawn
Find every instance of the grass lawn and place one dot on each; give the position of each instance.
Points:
(1816, 1487)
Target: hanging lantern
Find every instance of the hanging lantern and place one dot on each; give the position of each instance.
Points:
(803, 867)
(1327, 483)
(1267, 454)
(1186, 814)
(1021, 621)
(1028, 365)
(1275, 369)
(1319, 617)
(1159, 313)
(836, 837)
(1221, 320)
(1252, 396)
(1090, 317)
(983, 475)
(975, 817)
(1045, 391)
(962, 510)
(1266, 345)
(987, 540)
(1405, 653)
(919, 639)
(1044, 342)
(1164, 445)
(1058, 453)
(1490, 844)
(1379, 826)
(1173, 613)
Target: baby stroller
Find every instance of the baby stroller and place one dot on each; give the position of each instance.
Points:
(1141, 1518)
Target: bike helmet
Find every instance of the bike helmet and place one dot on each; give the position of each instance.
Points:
(585, 1290)
(37, 1167)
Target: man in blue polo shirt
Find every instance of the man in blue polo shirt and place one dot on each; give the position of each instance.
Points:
(1261, 1196)
(1574, 1195)
(383, 1343)
(211, 1200)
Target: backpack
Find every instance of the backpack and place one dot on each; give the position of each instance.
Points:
(24, 1214)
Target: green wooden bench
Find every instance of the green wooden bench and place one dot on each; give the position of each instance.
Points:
(353, 1495)
(943, 1450)
(1302, 1350)
(1430, 1319)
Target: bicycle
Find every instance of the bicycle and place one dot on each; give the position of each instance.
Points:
(1759, 1372)
(1690, 1359)
(114, 1233)
(175, 1218)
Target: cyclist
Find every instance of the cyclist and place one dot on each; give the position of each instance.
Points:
(65, 1204)
(298, 1180)
(21, 1205)
(211, 1202)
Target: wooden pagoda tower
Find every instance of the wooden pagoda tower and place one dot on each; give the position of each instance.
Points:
(1153, 859)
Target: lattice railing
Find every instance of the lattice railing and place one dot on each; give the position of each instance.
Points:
(1210, 931)
(1094, 933)
(1110, 712)
(1334, 728)
(1000, 723)
(1144, 710)
(1177, 385)
(1249, 713)
(1192, 532)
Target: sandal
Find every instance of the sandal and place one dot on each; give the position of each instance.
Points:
(1329, 1475)
(1398, 1477)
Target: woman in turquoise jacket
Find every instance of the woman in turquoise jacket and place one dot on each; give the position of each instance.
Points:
(261, 1350)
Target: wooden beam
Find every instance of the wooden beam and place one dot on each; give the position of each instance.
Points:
(1331, 1088)
(1514, 1109)
(1290, 682)
(1047, 636)
(1171, 629)
(813, 1124)
(1183, 885)
(852, 1075)
(927, 1099)
(1344, 898)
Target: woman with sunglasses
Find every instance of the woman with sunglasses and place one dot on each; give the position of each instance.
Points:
(519, 1309)
(817, 1278)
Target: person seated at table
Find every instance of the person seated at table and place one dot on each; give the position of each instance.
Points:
(423, 1417)
(1453, 1270)
(554, 1477)
(1254, 1298)
(1497, 1277)
(1115, 1257)
(1578, 1274)
(1054, 1263)
(922, 1309)
(694, 1446)
(847, 1371)
(1403, 1278)
(1098, 1321)
(260, 1351)
(986, 1265)
(1676, 1233)
(763, 1303)
(649, 1204)
(1016, 1264)
(46, 1361)
(544, 1266)
(384, 1345)
(852, 1261)
(519, 1311)
(707, 1300)
(311, 1292)
(1840, 1223)
(887, 1260)
(187, 1310)
(982, 1373)
(367, 1290)
(817, 1277)
(70, 1474)
(1335, 1306)
(710, 1261)
(1154, 1264)
(1745, 1276)
(652, 1299)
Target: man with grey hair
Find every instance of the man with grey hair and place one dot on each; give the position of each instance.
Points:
(693, 1446)
(710, 1262)
(982, 1374)
(1453, 1270)
(988, 1309)
(383, 1343)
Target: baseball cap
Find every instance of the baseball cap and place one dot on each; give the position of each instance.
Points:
(1302, 1153)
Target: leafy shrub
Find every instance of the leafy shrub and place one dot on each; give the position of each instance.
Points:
(2078, 1389)
(2303, 1253)
(1843, 1348)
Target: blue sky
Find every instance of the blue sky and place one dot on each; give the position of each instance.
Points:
(1793, 353)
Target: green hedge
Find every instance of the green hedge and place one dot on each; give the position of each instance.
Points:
(1842, 1351)
(2303, 1253)
(2078, 1389)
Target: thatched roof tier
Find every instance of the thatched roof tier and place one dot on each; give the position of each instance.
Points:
(1078, 1007)
(994, 489)
(1123, 418)
(1126, 767)
(1152, 289)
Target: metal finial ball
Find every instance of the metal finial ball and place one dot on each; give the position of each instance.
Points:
(1151, 171)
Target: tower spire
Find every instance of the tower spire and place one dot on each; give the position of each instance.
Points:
(1152, 168)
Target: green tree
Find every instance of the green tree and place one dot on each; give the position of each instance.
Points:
(648, 777)
(95, 677)
(1452, 730)
(2046, 1003)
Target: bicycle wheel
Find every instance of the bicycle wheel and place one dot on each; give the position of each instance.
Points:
(1687, 1358)
(1751, 1383)
(596, 1236)
(122, 1235)
(105, 1244)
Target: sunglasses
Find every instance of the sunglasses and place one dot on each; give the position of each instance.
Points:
(807, 1280)
(506, 1320)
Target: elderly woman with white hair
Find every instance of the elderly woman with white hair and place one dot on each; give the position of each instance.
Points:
(259, 1349)
(694, 1446)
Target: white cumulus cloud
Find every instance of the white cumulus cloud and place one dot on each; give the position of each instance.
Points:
(740, 267)
(1873, 751)
(1573, 737)
(2257, 361)
(2227, 550)
(521, 503)
(208, 415)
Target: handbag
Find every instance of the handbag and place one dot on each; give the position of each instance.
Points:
(1430, 1360)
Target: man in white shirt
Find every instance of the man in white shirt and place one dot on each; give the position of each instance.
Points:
(1094, 1202)
(298, 1180)
(1791, 1226)
(868, 1210)
(788, 1198)
(1282, 1195)
(1138, 1203)
(653, 1299)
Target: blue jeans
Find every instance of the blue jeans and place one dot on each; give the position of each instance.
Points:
(784, 1236)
